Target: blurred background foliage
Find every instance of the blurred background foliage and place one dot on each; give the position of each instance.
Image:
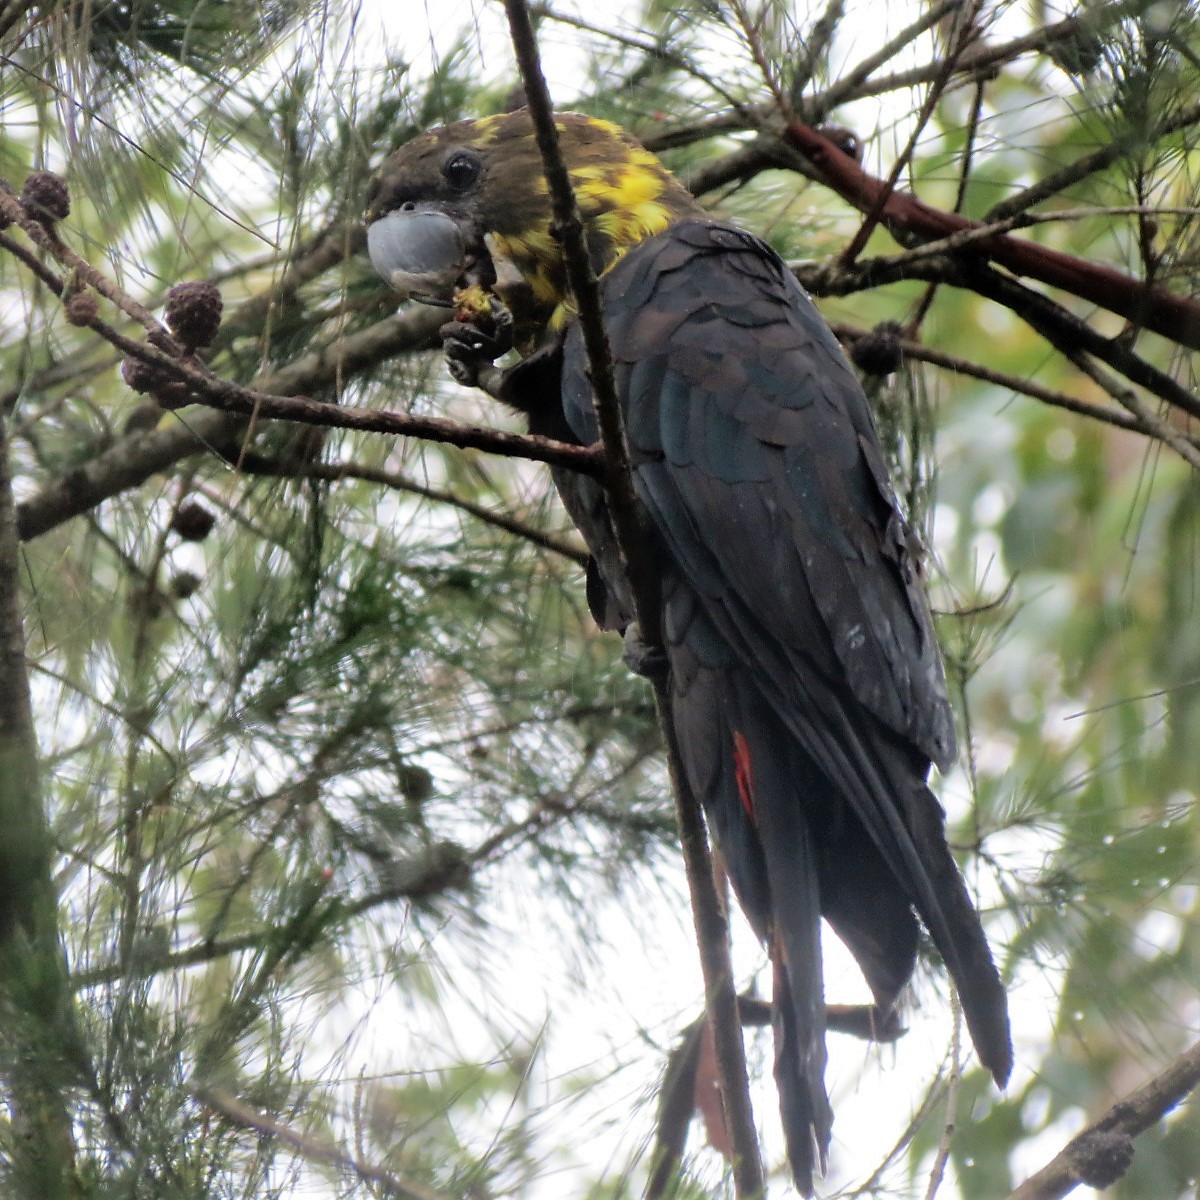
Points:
(361, 827)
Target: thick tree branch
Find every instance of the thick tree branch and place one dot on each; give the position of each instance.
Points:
(1144, 306)
(1101, 1154)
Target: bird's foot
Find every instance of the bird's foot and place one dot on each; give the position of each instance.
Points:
(641, 658)
(472, 346)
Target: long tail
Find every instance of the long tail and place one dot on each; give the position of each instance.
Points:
(742, 766)
(946, 909)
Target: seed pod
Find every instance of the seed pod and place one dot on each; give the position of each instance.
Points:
(7, 189)
(192, 521)
(878, 352)
(82, 308)
(46, 196)
(193, 313)
(184, 584)
(142, 376)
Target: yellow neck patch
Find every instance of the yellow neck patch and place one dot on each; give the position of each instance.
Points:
(622, 203)
(625, 196)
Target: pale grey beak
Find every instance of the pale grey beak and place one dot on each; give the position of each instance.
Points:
(419, 252)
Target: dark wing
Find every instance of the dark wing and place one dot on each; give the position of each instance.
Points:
(734, 383)
(794, 612)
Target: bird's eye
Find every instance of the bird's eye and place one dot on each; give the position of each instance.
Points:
(461, 169)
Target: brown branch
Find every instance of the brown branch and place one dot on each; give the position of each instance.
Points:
(1066, 332)
(677, 1093)
(1100, 1154)
(762, 154)
(48, 241)
(134, 459)
(1060, 327)
(628, 521)
(208, 388)
(125, 466)
(1152, 308)
(963, 22)
(1159, 429)
(308, 1147)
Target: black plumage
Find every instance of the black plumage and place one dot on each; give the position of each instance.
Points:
(807, 685)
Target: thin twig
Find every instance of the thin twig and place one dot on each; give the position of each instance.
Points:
(1129, 399)
(1060, 327)
(923, 306)
(1089, 164)
(628, 523)
(50, 243)
(964, 20)
(858, 75)
(938, 1170)
(1026, 387)
(254, 464)
(443, 866)
(308, 1147)
(1063, 330)
(984, 58)
(91, 483)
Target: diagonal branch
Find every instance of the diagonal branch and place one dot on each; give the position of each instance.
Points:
(135, 458)
(309, 1147)
(1101, 1154)
(920, 352)
(1146, 307)
(294, 468)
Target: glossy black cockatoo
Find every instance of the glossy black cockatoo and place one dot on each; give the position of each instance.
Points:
(807, 686)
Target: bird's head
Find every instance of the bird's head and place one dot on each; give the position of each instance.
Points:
(467, 206)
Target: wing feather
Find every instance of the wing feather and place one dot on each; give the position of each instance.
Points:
(797, 630)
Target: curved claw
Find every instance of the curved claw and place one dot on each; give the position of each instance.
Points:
(471, 347)
(642, 659)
